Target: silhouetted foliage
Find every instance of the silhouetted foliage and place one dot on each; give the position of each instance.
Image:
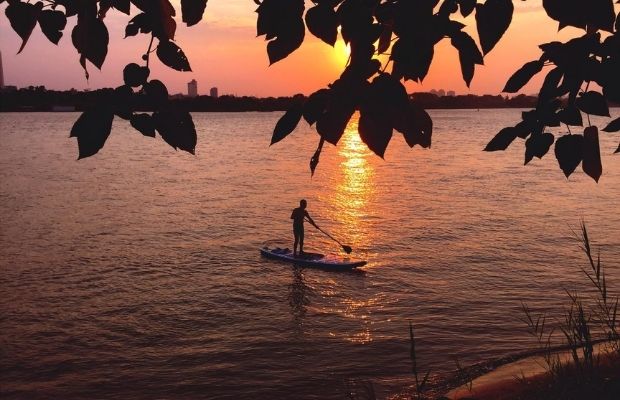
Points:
(286, 124)
(502, 140)
(613, 126)
(590, 59)
(171, 55)
(591, 153)
(407, 30)
(569, 152)
(92, 130)
(143, 123)
(192, 11)
(523, 76)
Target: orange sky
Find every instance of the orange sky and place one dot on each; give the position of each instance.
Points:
(223, 51)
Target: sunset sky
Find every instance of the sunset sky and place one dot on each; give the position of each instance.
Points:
(224, 51)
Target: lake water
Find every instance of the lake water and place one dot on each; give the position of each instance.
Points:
(136, 274)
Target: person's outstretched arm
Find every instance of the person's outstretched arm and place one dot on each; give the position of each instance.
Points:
(309, 218)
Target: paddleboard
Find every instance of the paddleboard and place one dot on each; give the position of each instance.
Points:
(314, 260)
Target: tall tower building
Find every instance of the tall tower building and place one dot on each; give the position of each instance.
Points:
(192, 88)
(1, 73)
(213, 92)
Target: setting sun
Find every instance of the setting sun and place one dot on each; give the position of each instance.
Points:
(342, 52)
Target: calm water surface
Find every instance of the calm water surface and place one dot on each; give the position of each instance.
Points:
(135, 274)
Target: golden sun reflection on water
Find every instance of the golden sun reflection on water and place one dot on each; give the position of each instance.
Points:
(353, 184)
(350, 206)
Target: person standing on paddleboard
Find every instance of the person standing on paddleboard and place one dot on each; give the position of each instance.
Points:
(298, 216)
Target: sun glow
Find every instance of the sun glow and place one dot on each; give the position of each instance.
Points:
(342, 52)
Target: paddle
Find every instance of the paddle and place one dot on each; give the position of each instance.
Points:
(347, 249)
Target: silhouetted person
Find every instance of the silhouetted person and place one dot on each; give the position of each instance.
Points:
(298, 216)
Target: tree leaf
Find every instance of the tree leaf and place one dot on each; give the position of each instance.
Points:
(411, 59)
(601, 15)
(375, 130)
(283, 22)
(192, 11)
(387, 94)
(569, 152)
(156, 93)
(161, 13)
(90, 38)
(469, 55)
(570, 115)
(332, 123)
(547, 112)
(105, 5)
(171, 55)
(523, 129)
(416, 126)
(591, 153)
(315, 105)
(287, 123)
(566, 12)
(322, 22)
(537, 146)
(314, 161)
(176, 128)
(122, 6)
(466, 6)
(523, 76)
(71, 6)
(285, 44)
(385, 40)
(549, 89)
(597, 14)
(592, 103)
(613, 126)
(52, 24)
(492, 20)
(383, 105)
(356, 22)
(23, 19)
(92, 130)
(502, 140)
(134, 75)
(122, 101)
(139, 23)
(448, 7)
(144, 124)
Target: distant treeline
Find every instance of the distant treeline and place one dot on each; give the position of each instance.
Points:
(40, 99)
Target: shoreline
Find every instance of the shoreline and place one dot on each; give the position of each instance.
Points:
(490, 374)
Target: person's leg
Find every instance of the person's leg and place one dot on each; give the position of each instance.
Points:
(301, 242)
(296, 234)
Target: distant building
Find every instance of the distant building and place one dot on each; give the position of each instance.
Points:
(441, 93)
(192, 88)
(451, 93)
(1, 73)
(213, 92)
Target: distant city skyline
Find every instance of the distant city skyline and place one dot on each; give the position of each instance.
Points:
(441, 92)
